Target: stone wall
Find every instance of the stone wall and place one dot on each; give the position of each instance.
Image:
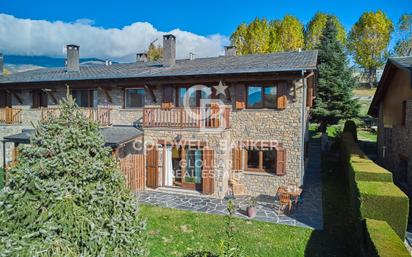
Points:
(284, 126)
(217, 140)
(399, 145)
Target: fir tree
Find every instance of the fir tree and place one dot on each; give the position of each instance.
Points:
(66, 196)
(334, 101)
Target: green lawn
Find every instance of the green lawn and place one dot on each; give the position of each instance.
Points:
(364, 135)
(176, 233)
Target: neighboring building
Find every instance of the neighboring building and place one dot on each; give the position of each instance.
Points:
(244, 124)
(392, 104)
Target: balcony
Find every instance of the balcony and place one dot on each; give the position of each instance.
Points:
(182, 118)
(10, 115)
(100, 115)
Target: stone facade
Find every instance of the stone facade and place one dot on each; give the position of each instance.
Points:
(284, 126)
(395, 146)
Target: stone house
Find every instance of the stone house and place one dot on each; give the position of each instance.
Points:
(392, 105)
(210, 125)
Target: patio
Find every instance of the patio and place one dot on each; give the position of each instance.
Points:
(308, 214)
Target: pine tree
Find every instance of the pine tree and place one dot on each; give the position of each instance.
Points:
(334, 101)
(66, 196)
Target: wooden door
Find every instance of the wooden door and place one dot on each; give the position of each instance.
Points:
(208, 172)
(133, 168)
(152, 167)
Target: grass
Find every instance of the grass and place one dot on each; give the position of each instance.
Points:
(364, 91)
(365, 135)
(176, 233)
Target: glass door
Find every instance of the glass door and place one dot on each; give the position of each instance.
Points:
(192, 177)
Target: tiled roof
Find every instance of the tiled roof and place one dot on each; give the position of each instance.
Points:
(114, 136)
(405, 62)
(256, 63)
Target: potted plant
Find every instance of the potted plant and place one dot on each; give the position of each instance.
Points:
(251, 208)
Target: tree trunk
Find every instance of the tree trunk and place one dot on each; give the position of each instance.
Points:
(371, 77)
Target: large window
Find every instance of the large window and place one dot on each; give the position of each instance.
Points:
(134, 97)
(195, 96)
(261, 160)
(259, 96)
(85, 97)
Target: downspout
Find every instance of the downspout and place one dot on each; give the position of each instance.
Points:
(4, 161)
(302, 149)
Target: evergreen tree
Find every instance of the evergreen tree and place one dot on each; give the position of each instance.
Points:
(334, 100)
(66, 196)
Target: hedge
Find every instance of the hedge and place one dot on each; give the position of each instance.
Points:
(384, 201)
(385, 241)
(374, 200)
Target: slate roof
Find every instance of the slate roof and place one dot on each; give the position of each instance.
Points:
(114, 136)
(405, 62)
(255, 63)
(393, 64)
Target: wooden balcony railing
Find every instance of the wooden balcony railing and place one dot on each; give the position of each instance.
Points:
(9, 115)
(100, 115)
(198, 117)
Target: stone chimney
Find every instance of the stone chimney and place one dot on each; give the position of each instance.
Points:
(1, 65)
(230, 51)
(72, 62)
(141, 57)
(169, 50)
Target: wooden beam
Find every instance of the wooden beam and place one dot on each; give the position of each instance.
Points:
(106, 94)
(50, 92)
(150, 90)
(15, 94)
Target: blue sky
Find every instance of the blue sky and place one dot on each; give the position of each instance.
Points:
(200, 17)
(212, 19)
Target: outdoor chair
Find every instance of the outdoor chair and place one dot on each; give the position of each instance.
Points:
(284, 201)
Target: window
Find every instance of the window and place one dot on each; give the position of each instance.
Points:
(40, 99)
(85, 97)
(195, 96)
(134, 97)
(261, 160)
(261, 96)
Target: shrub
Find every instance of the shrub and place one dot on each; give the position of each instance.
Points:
(66, 196)
(373, 196)
(384, 201)
(384, 241)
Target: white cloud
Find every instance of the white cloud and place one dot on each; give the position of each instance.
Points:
(40, 37)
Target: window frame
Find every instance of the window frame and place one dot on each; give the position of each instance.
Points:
(261, 168)
(198, 94)
(263, 95)
(124, 98)
(90, 96)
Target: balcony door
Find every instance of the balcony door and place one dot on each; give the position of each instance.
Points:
(85, 97)
(194, 98)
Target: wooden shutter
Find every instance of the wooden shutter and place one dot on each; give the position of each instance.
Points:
(36, 98)
(207, 172)
(310, 92)
(240, 97)
(44, 99)
(282, 98)
(167, 102)
(5, 99)
(152, 167)
(280, 161)
(237, 159)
